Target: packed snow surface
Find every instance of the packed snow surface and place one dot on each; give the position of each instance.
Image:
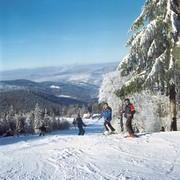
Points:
(64, 155)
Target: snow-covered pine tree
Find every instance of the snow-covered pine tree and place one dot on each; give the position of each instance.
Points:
(46, 117)
(11, 118)
(53, 121)
(150, 59)
(20, 124)
(150, 64)
(38, 120)
(29, 122)
(47, 122)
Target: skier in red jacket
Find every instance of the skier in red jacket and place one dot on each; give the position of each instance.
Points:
(129, 111)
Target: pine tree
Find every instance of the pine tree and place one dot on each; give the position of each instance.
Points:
(46, 118)
(20, 124)
(29, 122)
(10, 118)
(53, 121)
(151, 62)
(37, 117)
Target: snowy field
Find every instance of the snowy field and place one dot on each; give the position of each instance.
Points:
(64, 155)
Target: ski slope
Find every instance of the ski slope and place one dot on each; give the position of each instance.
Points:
(63, 155)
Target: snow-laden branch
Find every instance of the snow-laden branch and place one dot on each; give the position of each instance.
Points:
(152, 50)
(157, 66)
(150, 31)
(173, 15)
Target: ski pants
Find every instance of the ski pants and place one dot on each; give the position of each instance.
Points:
(42, 133)
(129, 125)
(108, 124)
(81, 130)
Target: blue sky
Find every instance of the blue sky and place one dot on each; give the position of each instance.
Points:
(37, 33)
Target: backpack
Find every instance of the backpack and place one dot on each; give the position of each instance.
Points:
(132, 108)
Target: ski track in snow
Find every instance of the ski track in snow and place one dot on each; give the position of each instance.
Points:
(65, 156)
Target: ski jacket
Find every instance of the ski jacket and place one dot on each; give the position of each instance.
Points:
(129, 110)
(42, 128)
(107, 114)
(80, 123)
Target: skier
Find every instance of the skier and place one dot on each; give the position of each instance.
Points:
(129, 111)
(107, 115)
(74, 123)
(9, 132)
(80, 125)
(42, 130)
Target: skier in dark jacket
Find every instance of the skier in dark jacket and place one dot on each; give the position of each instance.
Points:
(129, 111)
(74, 123)
(107, 115)
(42, 130)
(80, 125)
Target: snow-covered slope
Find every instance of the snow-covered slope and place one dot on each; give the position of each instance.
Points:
(64, 155)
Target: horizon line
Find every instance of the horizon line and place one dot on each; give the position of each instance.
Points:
(55, 66)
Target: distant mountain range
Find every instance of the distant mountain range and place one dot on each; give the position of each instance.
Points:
(25, 101)
(83, 91)
(88, 73)
(52, 86)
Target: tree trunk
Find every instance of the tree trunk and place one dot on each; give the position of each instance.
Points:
(175, 89)
(172, 98)
(173, 117)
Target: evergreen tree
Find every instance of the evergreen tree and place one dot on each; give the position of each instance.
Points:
(47, 122)
(29, 122)
(38, 121)
(10, 118)
(151, 62)
(20, 124)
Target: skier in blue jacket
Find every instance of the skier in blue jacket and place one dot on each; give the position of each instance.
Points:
(107, 115)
